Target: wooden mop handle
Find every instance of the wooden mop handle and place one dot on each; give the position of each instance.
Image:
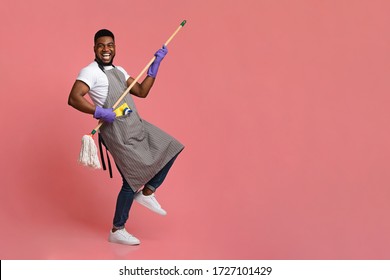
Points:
(139, 76)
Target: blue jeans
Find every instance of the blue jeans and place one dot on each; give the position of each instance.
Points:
(126, 195)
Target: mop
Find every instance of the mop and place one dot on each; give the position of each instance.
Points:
(88, 153)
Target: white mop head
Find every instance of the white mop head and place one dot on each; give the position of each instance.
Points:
(88, 154)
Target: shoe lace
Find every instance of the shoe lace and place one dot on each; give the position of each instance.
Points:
(126, 234)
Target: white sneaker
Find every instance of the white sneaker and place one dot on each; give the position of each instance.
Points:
(150, 201)
(121, 236)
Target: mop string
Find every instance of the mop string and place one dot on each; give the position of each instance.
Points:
(138, 77)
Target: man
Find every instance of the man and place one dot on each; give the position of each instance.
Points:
(142, 152)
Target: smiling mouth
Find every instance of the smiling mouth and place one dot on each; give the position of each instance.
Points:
(106, 56)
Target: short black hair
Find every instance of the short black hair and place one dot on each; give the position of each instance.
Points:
(102, 33)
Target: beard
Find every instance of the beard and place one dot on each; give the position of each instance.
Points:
(99, 61)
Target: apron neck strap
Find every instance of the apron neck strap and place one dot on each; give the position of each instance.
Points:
(101, 66)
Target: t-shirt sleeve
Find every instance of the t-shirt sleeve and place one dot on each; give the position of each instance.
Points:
(86, 76)
(127, 76)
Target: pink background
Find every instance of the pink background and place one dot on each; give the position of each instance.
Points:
(283, 107)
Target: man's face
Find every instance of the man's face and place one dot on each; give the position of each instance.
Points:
(105, 50)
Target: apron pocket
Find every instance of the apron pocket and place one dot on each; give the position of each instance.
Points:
(132, 128)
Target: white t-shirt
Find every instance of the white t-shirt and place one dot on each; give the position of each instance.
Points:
(97, 81)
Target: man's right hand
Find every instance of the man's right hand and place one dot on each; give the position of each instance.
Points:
(104, 114)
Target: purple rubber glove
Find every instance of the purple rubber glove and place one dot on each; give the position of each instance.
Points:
(104, 114)
(160, 54)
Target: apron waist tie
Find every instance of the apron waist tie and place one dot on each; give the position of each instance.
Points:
(101, 141)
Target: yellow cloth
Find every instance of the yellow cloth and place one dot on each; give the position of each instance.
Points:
(120, 110)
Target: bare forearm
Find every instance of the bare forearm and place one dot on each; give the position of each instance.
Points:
(142, 89)
(77, 100)
(81, 104)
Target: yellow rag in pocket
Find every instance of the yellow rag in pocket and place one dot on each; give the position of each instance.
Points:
(120, 111)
